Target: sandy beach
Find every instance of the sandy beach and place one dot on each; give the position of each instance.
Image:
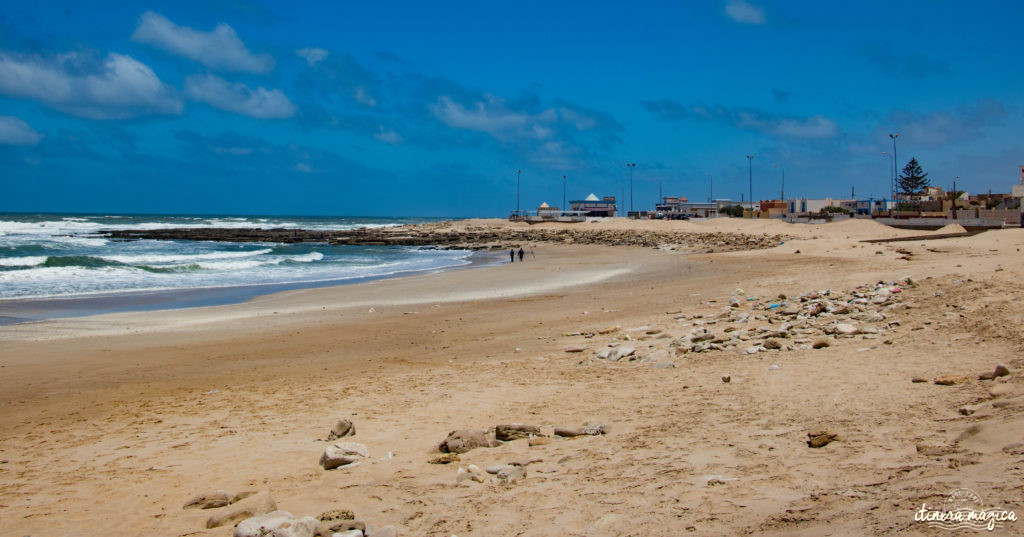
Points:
(112, 422)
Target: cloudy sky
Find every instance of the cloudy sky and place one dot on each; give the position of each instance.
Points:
(423, 108)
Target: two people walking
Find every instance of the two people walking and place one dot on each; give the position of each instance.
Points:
(512, 255)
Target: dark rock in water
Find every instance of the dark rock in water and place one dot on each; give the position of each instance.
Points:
(465, 440)
(514, 431)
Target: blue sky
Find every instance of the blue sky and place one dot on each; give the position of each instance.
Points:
(389, 109)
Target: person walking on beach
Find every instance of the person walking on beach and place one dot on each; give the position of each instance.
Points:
(512, 255)
(520, 255)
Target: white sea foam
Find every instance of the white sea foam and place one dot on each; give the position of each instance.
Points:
(147, 259)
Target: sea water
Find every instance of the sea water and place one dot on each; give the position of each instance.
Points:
(53, 256)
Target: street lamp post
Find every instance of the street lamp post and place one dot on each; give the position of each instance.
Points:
(894, 172)
(517, 191)
(631, 165)
(750, 179)
(563, 194)
(891, 179)
(711, 189)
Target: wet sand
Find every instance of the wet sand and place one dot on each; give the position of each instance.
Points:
(113, 421)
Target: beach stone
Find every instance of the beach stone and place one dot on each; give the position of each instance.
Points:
(575, 349)
(772, 344)
(820, 344)
(444, 458)
(209, 500)
(265, 525)
(496, 468)
(539, 441)
(773, 367)
(465, 440)
(328, 529)
(595, 429)
(476, 473)
(604, 353)
(1000, 390)
(619, 353)
(255, 505)
(342, 428)
(342, 454)
(349, 533)
(386, 531)
(726, 378)
(846, 329)
(918, 379)
(511, 474)
(754, 349)
(820, 438)
(664, 365)
(1001, 371)
(949, 380)
(514, 431)
(243, 495)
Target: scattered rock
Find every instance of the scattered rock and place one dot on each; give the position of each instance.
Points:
(846, 329)
(1000, 390)
(514, 431)
(918, 379)
(619, 353)
(209, 500)
(968, 410)
(949, 380)
(590, 429)
(773, 367)
(464, 440)
(342, 454)
(276, 524)
(820, 344)
(772, 344)
(1001, 371)
(726, 379)
(575, 349)
(539, 441)
(340, 526)
(511, 474)
(444, 458)
(255, 505)
(820, 438)
(664, 365)
(343, 428)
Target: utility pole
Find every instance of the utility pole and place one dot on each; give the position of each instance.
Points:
(750, 178)
(894, 172)
(782, 195)
(517, 191)
(711, 189)
(631, 165)
(563, 194)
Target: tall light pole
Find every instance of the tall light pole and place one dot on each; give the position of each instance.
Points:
(894, 137)
(631, 165)
(517, 191)
(782, 196)
(563, 193)
(750, 178)
(891, 166)
(711, 190)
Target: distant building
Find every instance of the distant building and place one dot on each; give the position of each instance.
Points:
(681, 207)
(546, 210)
(592, 206)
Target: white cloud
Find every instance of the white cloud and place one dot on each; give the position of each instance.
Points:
(218, 49)
(388, 136)
(365, 98)
(313, 55)
(260, 103)
(744, 12)
(116, 87)
(491, 116)
(14, 131)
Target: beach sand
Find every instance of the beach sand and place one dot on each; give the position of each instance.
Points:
(112, 422)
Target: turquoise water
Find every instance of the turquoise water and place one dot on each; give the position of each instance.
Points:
(54, 255)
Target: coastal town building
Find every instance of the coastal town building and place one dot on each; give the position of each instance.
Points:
(592, 206)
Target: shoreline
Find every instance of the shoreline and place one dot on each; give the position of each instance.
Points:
(34, 309)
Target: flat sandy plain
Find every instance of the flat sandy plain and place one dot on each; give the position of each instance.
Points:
(110, 423)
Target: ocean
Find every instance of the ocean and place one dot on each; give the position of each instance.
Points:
(60, 256)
